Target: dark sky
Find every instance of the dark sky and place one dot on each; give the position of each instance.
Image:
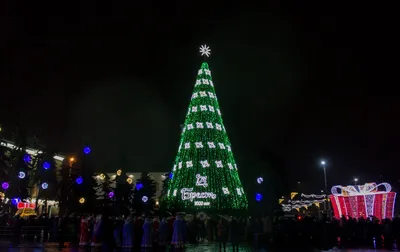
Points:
(295, 84)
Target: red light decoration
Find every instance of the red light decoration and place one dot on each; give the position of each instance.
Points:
(22, 205)
(363, 201)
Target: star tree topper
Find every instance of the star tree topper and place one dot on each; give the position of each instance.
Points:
(205, 50)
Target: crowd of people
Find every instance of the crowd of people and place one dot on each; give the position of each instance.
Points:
(109, 232)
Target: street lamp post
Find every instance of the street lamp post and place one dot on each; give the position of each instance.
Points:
(323, 163)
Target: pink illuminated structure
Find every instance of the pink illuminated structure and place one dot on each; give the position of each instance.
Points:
(358, 201)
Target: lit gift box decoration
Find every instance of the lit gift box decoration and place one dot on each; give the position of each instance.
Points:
(366, 200)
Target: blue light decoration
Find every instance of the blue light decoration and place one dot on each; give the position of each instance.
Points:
(139, 186)
(46, 165)
(171, 175)
(15, 201)
(5, 185)
(86, 150)
(27, 158)
(79, 180)
(145, 199)
(21, 175)
(45, 185)
(260, 180)
(259, 197)
(111, 195)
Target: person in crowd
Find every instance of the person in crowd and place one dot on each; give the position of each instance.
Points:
(234, 234)
(84, 232)
(179, 228)
(147, 241)
(97, 238)
(127, 233)
(163, 233)
(222, 230)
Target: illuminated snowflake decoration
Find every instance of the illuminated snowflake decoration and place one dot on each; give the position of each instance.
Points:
(205, 50)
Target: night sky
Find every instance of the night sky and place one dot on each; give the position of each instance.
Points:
(295, 84)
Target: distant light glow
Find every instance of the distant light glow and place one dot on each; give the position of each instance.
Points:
(45, 185)
(259, 197)
(46, 165)
(145, 199)
(15, 201)
(129, 180)
(260, 180)
(5, 185)
(86, 150)
(30, 151)
(21, 175)
(119, 172)
(139, 186)
(79, 180)
(323, 162)
(111, 195)
(82, 200)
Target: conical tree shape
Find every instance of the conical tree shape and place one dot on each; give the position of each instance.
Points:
(205, 174)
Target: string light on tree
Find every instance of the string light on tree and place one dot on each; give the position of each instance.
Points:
(21, 175)
(145, 199)
(27, 158)
(139, 186)
(45, 185)
(259, 196)
(79, 180)
(111, 195)
(5, 185)
(46, 165)
(87, 150)
(204, 174)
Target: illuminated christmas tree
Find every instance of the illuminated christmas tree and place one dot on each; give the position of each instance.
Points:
(205, 174)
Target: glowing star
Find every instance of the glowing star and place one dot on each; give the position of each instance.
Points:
(209, 125)
(203, 107)
(219, 164)
(211, 145)
(218, 126)
(201, 180)
(230, 166)
(211, 108)
(189, 164)
(208, 72)
(199, 144)
(228, 147)
(221, 145)
(211, 95)
(194, 109)
(205, 81)
(205, 163)
(187, 145)
(203, 93)
(225, 190)
(195, 95)
(190, 126)
(180, 165)
(205, 50)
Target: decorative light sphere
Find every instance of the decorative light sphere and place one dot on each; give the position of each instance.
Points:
(323, 162)
(145, 199)
(129, 180)
(82, 200)
(86, 150)
(21, 175)
(5, 185)
(171, 175)
(119, 172)
(27, 158)
(79, 180)
(45, 185)
(15, 201)
(111, 195)
(102, 176)
(46, 165)
(139, 186)
(260, 180)
(259, 197)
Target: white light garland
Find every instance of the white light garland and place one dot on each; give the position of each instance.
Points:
(219, 164)
(199, 144)
(205, 163)
(200, 125)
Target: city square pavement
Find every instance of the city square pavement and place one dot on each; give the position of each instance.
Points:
(190, 248)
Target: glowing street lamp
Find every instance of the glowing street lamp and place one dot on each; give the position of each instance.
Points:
(323, 163)
(355, 181)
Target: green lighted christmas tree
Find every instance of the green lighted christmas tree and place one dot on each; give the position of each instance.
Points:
(205, 174)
